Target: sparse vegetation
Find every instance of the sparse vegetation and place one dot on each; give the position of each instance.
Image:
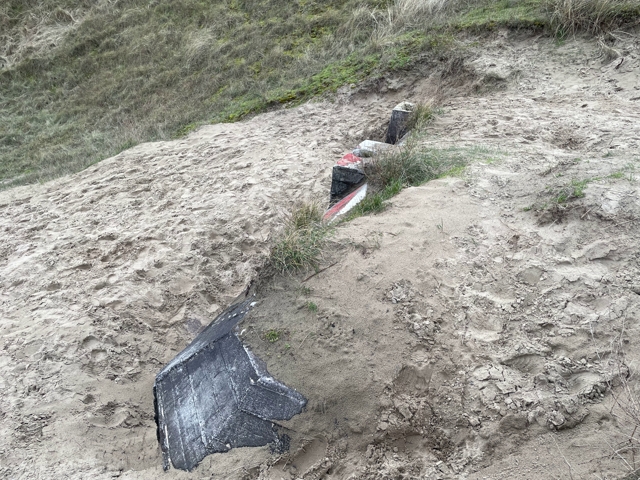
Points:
(375, 202)
(552, 200)
(304, 290)
(420, 117)
(81, 81)
(627, 407)
(410, 165)
(312, 307)
(300, 245)
(573, 190)
(272, 336)
(485, 15)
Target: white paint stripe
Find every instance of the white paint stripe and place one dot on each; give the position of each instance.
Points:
(359, 196)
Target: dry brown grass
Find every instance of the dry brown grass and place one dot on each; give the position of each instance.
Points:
(596, 16)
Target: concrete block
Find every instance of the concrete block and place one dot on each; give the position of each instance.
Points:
(369, 148)
(397, 124)
(347, 174)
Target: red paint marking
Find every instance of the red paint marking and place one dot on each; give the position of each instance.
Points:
(348, 159)
(341, 204)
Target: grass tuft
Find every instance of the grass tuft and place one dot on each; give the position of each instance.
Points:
(375, 203)
(412, 164)
(595, 16)
(300, 246)
(420, 117)
(272, 336)
(573, 190)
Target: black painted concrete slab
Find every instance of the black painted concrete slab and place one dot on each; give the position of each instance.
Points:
(344, 180)
(216, 395)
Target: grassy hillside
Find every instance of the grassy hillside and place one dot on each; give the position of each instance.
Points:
(81, 80)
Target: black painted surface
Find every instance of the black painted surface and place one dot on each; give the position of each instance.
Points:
(343, 181)
(397, 126)
(216, 395)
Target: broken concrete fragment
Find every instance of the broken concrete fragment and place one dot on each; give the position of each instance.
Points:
(216, 395)
(369, 148)
(347, 175)
(350, 160)
(397, 125)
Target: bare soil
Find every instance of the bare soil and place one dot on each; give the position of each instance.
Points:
(477, 328)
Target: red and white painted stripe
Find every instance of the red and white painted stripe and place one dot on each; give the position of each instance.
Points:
(350, 160)
(346, 204)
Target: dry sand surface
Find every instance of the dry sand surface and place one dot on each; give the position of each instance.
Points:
(475, 329)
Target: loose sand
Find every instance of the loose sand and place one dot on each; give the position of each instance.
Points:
(475, 329)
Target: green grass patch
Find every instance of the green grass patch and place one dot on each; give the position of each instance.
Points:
(412, 165)
(515, 14)
(627, 173)
(300, 245)
(573, 190)
(376, 202)
(272, 336)
(456, 171)
(81, 81)
(563, 193)
(570, 16)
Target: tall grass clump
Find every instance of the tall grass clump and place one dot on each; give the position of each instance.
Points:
(595, 16)
(421, 115)
(402, 16)
(410, 163)
(300, 245)
(413, 164)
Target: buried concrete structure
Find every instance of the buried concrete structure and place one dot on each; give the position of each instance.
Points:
(346, 204)
(348, 178)
(347, 175)
(398, 123)
(216, 395)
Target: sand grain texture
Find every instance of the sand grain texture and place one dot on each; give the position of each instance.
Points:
(475, 329)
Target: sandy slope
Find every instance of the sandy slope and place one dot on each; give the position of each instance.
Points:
(457, 336)
(107, 274)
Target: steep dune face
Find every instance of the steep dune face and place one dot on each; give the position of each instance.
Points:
(481, 326)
